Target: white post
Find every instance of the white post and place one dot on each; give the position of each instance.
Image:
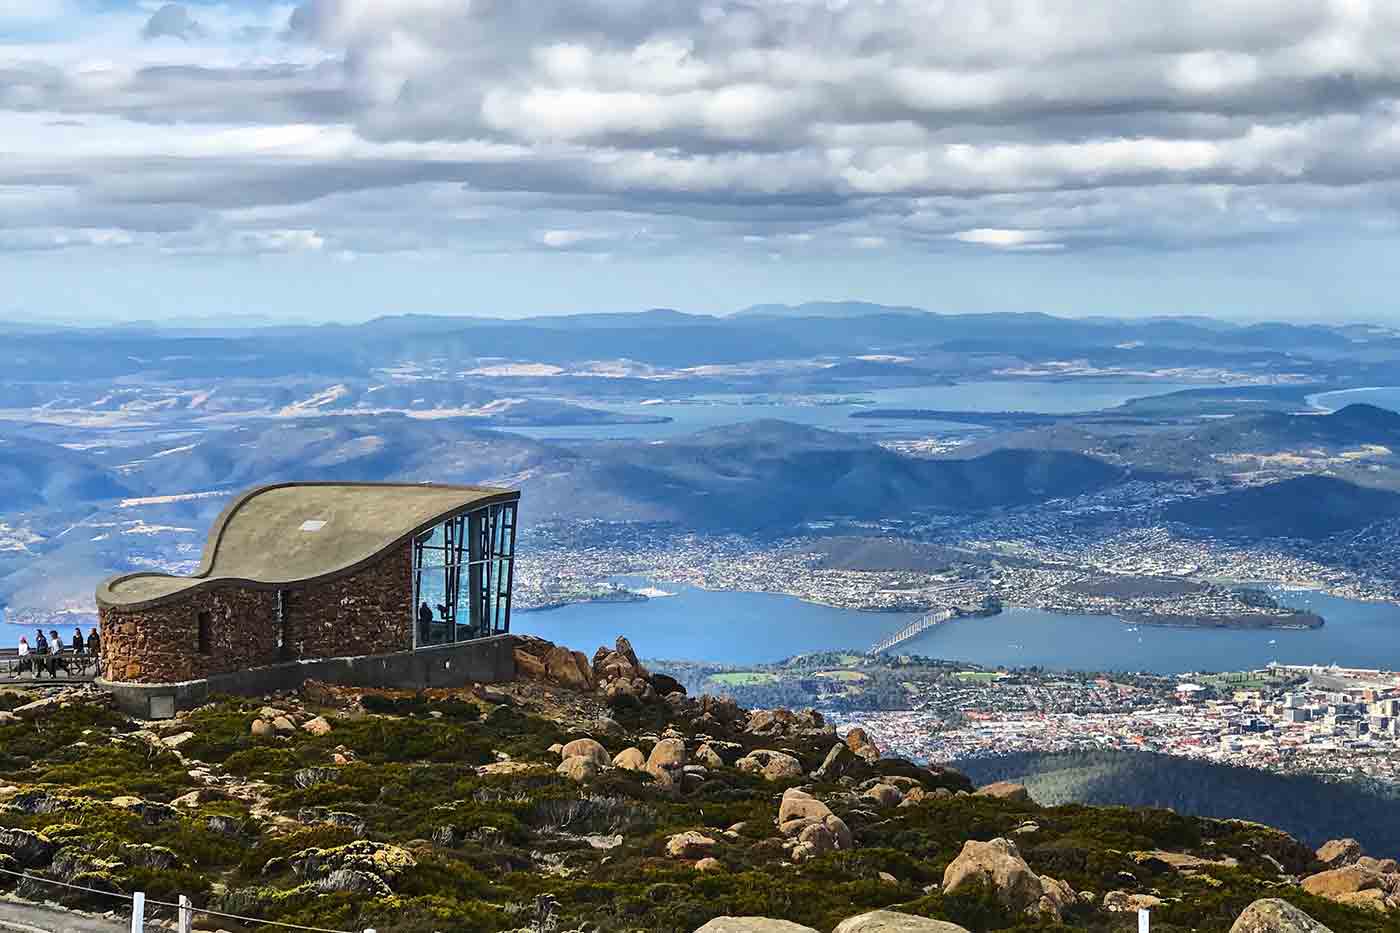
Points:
(1142, 919)
(138, 912)
(186, 915)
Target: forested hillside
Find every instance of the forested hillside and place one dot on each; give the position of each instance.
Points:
(1309, 808)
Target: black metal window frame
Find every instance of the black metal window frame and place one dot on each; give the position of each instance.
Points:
(479, 547)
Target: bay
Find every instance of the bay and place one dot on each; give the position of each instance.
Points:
(1380, 396)
(833, 412)
(754, 628)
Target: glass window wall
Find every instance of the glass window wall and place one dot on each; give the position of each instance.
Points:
(462, 575)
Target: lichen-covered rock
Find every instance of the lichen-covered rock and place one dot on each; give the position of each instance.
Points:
(998, 865)
(318, 726)
(772, 765)
(861, 745)
(1338, 853)
(666, 763)
(630, 759)
(798, 805)
(587, 748)
(889, 921)
(752, 925)
(578, 768)
(262, 729)
(1006, 790)
(689, 845)
(152, 813)
(884, 795)
(1126, 902)
(708, 757)
(1272, 915)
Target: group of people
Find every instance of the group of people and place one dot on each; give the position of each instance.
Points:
(48, 654)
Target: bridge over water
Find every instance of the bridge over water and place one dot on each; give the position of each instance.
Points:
(922, 624)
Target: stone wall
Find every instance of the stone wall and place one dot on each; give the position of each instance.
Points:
(368, 612)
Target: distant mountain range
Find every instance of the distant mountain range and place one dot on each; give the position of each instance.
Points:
(760, 332)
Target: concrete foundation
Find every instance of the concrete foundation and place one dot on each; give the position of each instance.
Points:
(485, 660)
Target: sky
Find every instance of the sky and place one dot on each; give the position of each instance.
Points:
(342, 159)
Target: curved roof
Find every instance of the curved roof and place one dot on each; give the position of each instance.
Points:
(288, 533)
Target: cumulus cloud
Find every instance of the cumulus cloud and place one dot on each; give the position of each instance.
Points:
(1003, 125)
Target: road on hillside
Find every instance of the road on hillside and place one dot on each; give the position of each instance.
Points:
(33, 918)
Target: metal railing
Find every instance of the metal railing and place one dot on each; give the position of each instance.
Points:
(184, 908)
(63, 666)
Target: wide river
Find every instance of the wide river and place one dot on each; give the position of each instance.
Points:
(834, 412)
(749, 628)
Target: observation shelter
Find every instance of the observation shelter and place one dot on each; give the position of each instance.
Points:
(373, 584)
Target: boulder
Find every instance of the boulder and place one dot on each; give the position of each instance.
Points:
(262, 729)
(708, 757)
(752, 925)
(527, 666)
(630, 759)
(998, 865)
(1338, 853)
(1124, 902)
(800, 805)
(884, 795)
(568, 668)
(815, 839)
(860, 743)
(318, 726)
(723, 710)
(176, 740)
(1336, 882)
(1006, 790)
(196, 797)
(1272, 915)
(283, 725)
(609, 726)
(838, 762)
(151, 812)
(689, 845)
(772, 765)
(666, 762)
(310, 777)
(917, 795)
(587, 748)
(666, 685)
(578, 768)
(709, 863)
(890, 921)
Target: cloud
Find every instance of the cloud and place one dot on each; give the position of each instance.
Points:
(172, 20)
(1001, 125)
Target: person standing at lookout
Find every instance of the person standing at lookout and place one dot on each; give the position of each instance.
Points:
(41, 644)
(77, 640)
(94, 643)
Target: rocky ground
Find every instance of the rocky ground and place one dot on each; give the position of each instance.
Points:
(595, 795)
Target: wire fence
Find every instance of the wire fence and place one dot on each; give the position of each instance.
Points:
(184, 909)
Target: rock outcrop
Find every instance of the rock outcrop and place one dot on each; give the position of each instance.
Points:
(772, 765)
(890, 921)
(1006, 790)
(861, 745)
(1363, 884)
(1338, 853)
(998, 865)
(752, 925)
(1272, 915)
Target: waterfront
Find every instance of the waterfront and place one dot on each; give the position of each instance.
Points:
(752, 628)
(1380, 396)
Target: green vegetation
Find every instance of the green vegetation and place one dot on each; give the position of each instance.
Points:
(467, 849)
(744, 678)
